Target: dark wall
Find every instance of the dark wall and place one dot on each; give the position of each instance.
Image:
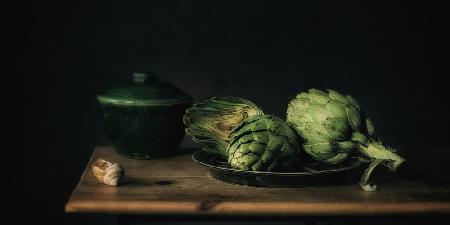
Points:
(392, 57)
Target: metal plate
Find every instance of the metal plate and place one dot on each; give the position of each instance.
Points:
(310, 175)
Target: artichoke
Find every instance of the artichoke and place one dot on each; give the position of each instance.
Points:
(334, 128)
(263, 143)
(210, 123)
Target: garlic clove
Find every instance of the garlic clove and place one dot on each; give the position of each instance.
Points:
(107, 172)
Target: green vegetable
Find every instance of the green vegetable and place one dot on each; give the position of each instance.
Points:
(210, 122)
(334, 128)
(263, 143)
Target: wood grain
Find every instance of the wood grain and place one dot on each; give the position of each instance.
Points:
(178, 185)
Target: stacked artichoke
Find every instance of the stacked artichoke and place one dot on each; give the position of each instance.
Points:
(326, 125)
(263, 143)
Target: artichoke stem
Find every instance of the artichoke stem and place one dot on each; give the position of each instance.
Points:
(379, 154)
(375, 150)
(365, 177)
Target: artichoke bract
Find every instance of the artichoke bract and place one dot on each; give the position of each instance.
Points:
(334, 128)
(210, 122)
(263, 143)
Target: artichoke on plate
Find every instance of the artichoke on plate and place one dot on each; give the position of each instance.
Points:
(263, 143)
(334, 128)
(210, 122)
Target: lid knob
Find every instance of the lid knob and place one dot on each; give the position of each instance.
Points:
(144, 78)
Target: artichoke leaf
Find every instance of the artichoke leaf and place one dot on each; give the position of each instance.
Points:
(338, 158)
(250, 138)
(353, 102)
(344, 146)
(313, 150)
(318, 96)
(353, 117)
(336, 129)
(370, 128)
(337, 96)
(360, 138)
(337, 109)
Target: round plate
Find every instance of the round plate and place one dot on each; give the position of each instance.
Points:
(313, 174)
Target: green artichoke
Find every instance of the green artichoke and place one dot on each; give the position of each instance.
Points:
(210, 122)
(263, 143)
(334, 128)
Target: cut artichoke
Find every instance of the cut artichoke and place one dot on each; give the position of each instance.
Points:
(263, 143)
(210, 123)
(334, 128)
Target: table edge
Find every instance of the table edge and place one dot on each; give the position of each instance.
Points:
(259, 208)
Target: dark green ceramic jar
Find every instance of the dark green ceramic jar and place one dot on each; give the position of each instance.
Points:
(144, 118)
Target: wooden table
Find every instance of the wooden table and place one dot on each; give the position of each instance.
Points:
(179, 186)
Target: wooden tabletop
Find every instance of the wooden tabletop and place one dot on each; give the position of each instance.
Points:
(178, 185)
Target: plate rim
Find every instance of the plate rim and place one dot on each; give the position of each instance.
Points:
(250, 172)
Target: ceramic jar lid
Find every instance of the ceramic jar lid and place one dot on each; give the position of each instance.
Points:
(144, 90)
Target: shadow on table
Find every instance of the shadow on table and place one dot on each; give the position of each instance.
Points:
(186, 151)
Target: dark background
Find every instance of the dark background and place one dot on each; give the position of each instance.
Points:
(391, 56)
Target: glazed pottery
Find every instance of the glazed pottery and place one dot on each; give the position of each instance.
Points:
(144, 117)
